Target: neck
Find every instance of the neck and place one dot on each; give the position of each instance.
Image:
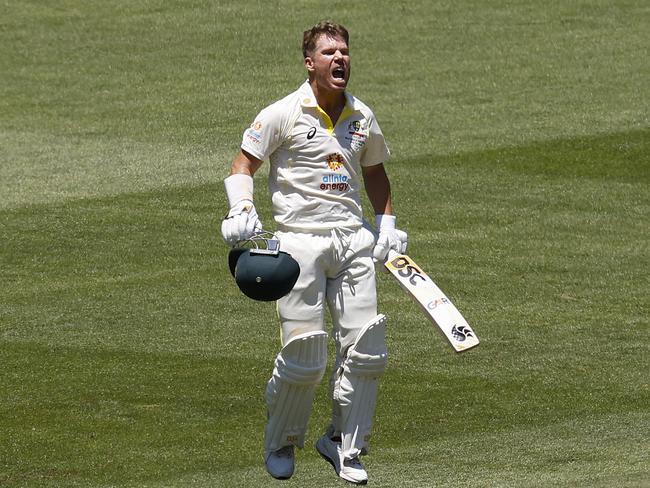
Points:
(331, 102)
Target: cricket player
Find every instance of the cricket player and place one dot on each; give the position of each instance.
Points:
(323, 144)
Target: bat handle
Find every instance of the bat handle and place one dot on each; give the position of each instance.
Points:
(392, 254)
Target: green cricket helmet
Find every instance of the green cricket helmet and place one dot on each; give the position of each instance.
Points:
(263, 272)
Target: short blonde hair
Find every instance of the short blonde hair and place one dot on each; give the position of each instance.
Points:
(329, 29)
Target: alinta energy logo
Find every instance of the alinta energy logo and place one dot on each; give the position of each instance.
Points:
(335, 181)
(335, 161)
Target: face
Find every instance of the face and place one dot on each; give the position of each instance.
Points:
(329, 64)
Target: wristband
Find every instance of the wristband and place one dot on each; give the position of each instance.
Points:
(239, 187)
(385, 221)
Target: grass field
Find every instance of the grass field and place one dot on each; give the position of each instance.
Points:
(520, 134)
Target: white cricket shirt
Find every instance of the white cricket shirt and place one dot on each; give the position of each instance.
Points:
(315, 176)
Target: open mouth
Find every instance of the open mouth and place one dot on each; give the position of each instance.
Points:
(338, 73)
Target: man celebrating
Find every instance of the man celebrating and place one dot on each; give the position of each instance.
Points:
(322, 144)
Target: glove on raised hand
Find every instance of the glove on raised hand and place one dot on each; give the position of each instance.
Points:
(242, 221)
(389, 238)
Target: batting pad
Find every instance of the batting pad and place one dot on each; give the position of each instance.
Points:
(299, 367)
(355, 390)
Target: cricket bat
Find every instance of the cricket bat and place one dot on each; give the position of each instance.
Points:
(435, 304)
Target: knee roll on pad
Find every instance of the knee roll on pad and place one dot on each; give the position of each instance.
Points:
(299, 367)
(355, 390)
(303, 359)
(368, 355)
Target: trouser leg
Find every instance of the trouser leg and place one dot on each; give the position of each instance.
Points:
(361, 351)
(301, 363)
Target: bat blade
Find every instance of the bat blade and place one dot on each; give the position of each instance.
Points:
(435, 304)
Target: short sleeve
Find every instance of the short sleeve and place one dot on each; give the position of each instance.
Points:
(263, 135)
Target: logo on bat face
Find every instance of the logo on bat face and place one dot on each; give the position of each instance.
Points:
(438, 301)
(407, 269)
(461, 333)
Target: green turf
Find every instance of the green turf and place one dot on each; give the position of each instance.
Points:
(521, 171)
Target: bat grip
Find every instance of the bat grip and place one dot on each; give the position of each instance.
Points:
(392, 254)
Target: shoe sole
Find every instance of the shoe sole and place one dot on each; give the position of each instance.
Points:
(280, 477)
(329, 460)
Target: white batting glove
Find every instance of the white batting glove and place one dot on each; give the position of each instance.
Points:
(389, 238)
(242, 221)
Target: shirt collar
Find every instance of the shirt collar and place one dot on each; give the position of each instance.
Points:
(308, 99)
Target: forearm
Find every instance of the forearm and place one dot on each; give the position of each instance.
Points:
(378, 189)
(245, 164)
(239, 185)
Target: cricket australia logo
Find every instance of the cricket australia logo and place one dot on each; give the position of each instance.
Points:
(354, 126)
(461, 333)
(356, 135)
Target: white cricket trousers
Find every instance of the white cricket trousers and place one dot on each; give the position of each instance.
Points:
(337, 272)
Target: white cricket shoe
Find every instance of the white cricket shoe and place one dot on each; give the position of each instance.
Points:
(348, 469)
(280, 463)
